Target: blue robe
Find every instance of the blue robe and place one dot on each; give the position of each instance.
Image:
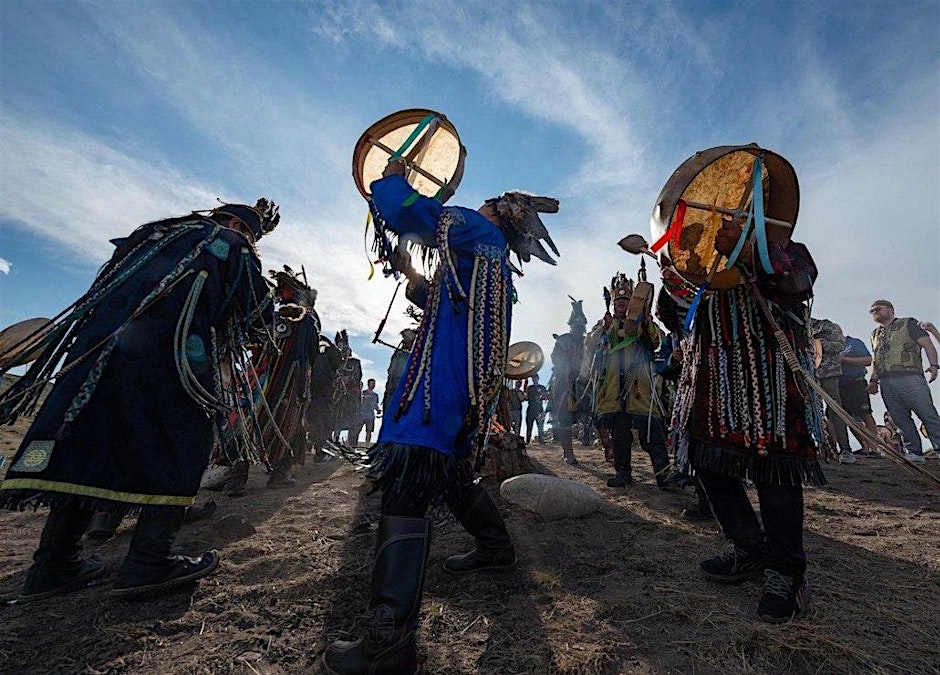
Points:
(447, 424)
(129, 424)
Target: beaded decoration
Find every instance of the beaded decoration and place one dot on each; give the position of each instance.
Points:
(747, 376)
(133, 253)
(181, 269)
(487, 302)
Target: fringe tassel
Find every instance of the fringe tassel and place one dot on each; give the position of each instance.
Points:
(418, 471)
(771, 469)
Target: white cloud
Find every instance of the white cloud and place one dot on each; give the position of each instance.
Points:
(80, 192)
(531, 63)
(276, 131)
(5, 266)
(75, 190)
(871, 217)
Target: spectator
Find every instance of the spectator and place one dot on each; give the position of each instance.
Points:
(853, 390)
(535, 409)
(897, 344)
(368, 410)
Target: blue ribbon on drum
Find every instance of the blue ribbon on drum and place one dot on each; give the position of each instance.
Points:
(411, 139)
(756, 220)
(422, 125)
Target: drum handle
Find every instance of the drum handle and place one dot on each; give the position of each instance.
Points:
(417, 169)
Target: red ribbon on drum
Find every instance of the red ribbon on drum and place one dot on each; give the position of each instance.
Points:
(675, 229)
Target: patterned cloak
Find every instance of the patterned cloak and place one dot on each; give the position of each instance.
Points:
(129, 421)
(740, 411)
(448, 392)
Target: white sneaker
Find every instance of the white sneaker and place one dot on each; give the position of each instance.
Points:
(915, 458)
(847, 458)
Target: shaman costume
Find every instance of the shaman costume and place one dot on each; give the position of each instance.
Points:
(322, 385)
(832, 340)
(626, 390)
(128, 424)
(439, 416)
(566, 395)
(347, 385)
(742, 414)
(290, 364)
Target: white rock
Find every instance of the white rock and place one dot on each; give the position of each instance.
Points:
(551, 497)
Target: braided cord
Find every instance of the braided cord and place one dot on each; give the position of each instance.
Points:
(91, 381)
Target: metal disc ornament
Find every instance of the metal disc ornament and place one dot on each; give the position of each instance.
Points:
(523, 360)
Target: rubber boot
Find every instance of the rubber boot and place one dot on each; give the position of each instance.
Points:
(150, 568)
(494, 550)
(604, 434)
(104, 525)
(57, 564)
(565, 438)
(388, 647)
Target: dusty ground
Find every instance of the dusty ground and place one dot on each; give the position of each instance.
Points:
(616, 592)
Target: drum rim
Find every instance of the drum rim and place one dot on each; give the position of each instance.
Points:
(786, 207)
(384, 125)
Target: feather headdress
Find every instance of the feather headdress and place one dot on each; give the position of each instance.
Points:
(577, 313)
(292, 287)
(621, 286)
(519, 213)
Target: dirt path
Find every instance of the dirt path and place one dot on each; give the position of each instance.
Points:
(616, 592)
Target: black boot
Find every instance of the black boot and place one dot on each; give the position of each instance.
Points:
(621, 442)
(565, 439)
(237, 481)
(669, 480)
(150, 568)
(104, 525)
(57, 566)
(480, 517)
(280, 477)
(397, 583)
(198, 512)
(622, 478)
(701, 510)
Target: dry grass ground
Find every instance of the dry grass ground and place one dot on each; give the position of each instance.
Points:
(616, 592)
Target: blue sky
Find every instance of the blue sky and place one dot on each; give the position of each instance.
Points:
(114, 114)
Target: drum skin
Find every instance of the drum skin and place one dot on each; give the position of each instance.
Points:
(721, 177)
(15, 348)
(436, 152)
(523, 360)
